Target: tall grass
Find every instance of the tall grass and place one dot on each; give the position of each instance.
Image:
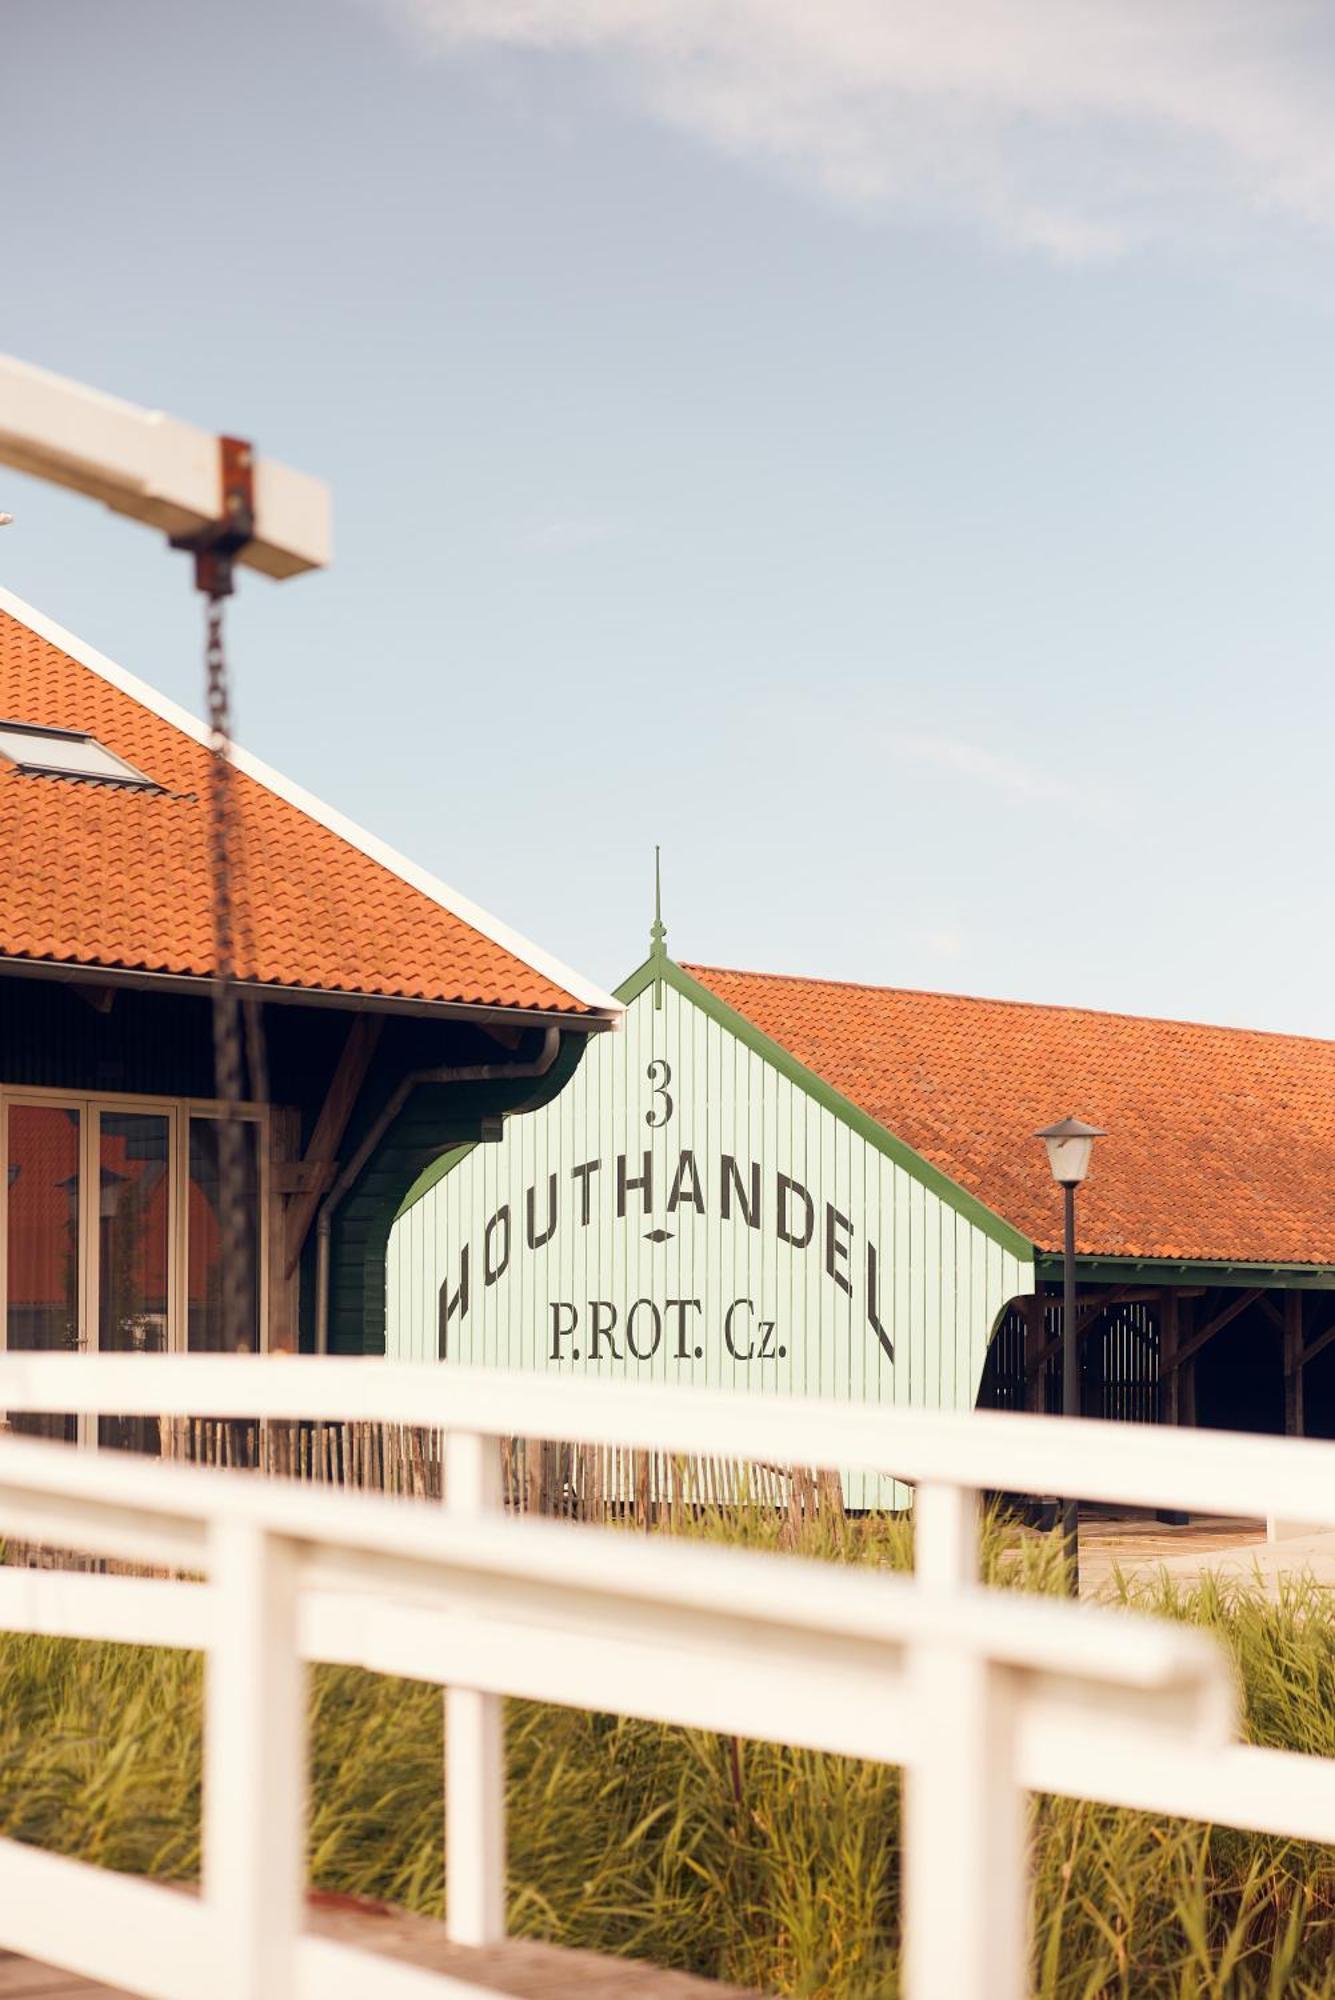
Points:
(744, 1861)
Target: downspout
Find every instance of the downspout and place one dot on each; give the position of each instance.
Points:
(461, 1073)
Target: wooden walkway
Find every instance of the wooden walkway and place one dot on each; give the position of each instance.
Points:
(1140, 1547)
(528, 1971)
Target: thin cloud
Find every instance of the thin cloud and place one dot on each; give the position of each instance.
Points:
(1078, 127)
(569, 533)
(1024, 784)
(946, 943)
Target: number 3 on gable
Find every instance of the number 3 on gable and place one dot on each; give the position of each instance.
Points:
(659, 1074)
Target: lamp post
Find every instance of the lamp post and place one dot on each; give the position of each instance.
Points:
(1069, 1146)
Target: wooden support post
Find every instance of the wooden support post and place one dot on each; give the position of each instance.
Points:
(1186, 1370)
(1042, 1510)
(1293, 1364)
(284, 1145)
(1170, 1381)
(1170, 1400)
(1031, 1310)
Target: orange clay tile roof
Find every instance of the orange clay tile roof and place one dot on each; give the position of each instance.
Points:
(1220, 1141)
(108, 876)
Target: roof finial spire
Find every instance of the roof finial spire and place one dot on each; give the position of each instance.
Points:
(658, 929)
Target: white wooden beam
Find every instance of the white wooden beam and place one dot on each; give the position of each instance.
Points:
(153, 468)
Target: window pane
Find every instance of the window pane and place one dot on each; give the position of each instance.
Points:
(66, 753)
(42, 1309)
(134, 1218)
(203, 1194)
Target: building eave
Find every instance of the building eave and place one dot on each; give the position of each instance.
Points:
(65, 973)
(1172, 1272)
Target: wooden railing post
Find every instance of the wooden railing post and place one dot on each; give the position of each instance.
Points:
(945, 1537)
(965, 1859)
(255, 1765)
(474, 1738)
(965, 1864)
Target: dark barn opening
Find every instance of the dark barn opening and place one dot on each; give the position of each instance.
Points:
(1238, 1358)
(1240, 1377)
(1319, 1395)
(1119, 1374)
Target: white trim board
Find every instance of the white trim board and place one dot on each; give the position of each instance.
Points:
(335, 822)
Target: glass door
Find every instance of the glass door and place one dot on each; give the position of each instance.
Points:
(134, 1233)
(43, 1264)
(204, 1300)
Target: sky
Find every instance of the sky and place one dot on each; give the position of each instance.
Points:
(879, 451)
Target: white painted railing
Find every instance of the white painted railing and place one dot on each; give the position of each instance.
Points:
(981, 1696)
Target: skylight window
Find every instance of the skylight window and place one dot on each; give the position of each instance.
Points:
(66, 753)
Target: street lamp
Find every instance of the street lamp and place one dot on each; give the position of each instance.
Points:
(1069, 1146)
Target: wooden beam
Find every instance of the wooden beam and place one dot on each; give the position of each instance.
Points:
(1191, 1348)
(100, 998)
(153, 468)
(1272, 1311)
(298, 1176)
(1293, 1364)
(1131, 1295)
(1319, 1345)
(321, 1156)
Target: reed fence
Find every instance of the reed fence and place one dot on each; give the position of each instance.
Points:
(604, 1484)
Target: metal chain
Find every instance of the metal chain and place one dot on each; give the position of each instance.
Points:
(235, 1249)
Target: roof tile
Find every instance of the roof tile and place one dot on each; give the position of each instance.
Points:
(1221, 1141)
(117, 877)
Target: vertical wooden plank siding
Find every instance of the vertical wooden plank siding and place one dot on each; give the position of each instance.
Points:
(672, 1288)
